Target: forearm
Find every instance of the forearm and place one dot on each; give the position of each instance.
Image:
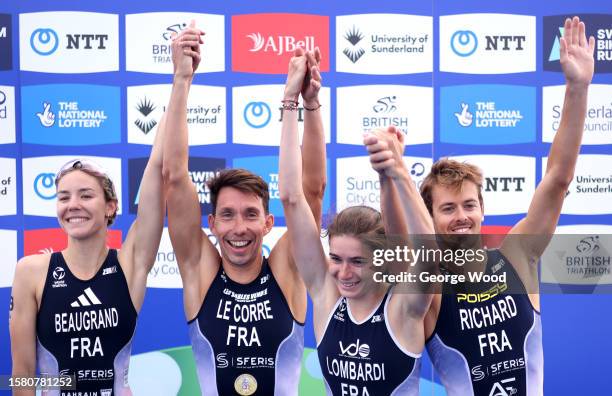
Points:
(566, 144)
(290, 160)
(416, 216)
(314, 156)
(175, 146)
(391, 208)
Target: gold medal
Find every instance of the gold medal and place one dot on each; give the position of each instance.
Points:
(245, 384)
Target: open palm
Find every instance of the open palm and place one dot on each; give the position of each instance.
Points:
(577, 53)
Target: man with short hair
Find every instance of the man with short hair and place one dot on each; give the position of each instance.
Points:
(485, 338)
(246, 313)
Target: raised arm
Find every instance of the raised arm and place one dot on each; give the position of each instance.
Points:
(313, 142)
(184, 216)
(543, 214)
(302, 229)
(138, 252)
(386, 148)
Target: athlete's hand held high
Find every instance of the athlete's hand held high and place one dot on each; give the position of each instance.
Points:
(576, 53)
(295, 76)
(186, 51)
(312, 80)
(385, 148)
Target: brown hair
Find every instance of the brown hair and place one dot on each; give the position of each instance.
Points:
(450, 173)
(361, 222)
(242, 180)
(95, 171)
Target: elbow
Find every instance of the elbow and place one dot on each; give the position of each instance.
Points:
(171, 175)
(561, 181)
(289, 199)
(318, 191)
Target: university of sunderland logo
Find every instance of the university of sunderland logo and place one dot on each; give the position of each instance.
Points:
(145, 107)
(354, 52)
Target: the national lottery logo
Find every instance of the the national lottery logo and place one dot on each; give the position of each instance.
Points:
(46, 117)
(488, 115)
(70, 115)
(355, 349)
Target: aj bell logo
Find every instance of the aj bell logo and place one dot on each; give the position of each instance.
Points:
(354, 349)
(45, 41)
(281, 44)
(465, 42)
(145, 107)
(354, 52)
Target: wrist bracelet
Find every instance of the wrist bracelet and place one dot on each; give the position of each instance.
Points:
(317, 107)
(287, 104)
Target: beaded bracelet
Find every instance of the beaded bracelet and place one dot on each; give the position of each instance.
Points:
(289, 104)
(317, 107)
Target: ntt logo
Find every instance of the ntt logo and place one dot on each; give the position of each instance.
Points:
(257, 114)
(44, 41)
(464, 43)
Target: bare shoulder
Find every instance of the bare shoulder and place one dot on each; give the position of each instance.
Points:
(33, 265)
(30, 273)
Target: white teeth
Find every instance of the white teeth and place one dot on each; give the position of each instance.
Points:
(345, 284)
(77, 220)
(238, 243)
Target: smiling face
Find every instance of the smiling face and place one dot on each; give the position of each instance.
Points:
(457, 211)
(239, 224)
(350, 265)
(82, 210)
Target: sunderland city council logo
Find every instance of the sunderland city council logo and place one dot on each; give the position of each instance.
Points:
(44, 41)
(245, 384)
(464, 42)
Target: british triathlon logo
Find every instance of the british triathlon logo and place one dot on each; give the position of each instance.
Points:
(264, 43)
(597, 25)
(464, 43)
(354, 52)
